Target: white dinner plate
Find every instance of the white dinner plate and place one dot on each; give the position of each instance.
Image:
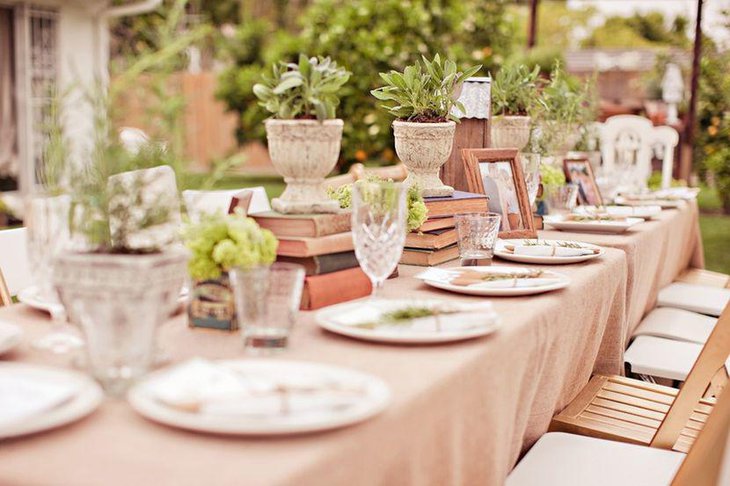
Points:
(643, 212)
(11, 335)
(403, 334)
(375, 397)
(31, 296)
(662, 203)
(608, 226)
(561, 281)
(502, 252)
(87, 397)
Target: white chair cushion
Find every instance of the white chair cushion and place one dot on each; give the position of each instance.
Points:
(695, 298)
(198, 202)
(677, 324)
(559, 459)
(662, 358)
(14, 260)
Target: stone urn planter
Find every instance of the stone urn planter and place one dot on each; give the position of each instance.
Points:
(119, 300)
(304, 152)
(424, 148)
(510, 131)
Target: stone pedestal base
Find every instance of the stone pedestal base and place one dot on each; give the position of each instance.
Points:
(304, 207)
(429, 184)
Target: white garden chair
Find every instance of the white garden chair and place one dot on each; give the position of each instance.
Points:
(665, 141)
(626, 149)
(14, 265)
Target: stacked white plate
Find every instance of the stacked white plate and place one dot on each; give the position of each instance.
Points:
(371, 321)
(37, 398)
(643, 212)
(258, 397)
(514, 285)
(591, 226)
(546, 252)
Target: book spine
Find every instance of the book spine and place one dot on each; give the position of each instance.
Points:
(334, 288)
(323, 264)
(334, 225)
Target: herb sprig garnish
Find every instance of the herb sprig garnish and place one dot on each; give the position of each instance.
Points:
(406, 314)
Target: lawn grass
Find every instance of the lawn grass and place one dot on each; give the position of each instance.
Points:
(716, 239)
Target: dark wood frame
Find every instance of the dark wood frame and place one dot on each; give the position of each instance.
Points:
(591, 175)
(471, 159)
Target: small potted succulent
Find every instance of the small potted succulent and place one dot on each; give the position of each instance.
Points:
(304, 136)
(514, 95)
(422, 99)
(219, 243)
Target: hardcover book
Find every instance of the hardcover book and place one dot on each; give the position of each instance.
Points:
(303, 225)
(459, 202)
(322, 264)
(334, 288)
(305, 247)
(432, 240)
(429, 258)
(432, 224)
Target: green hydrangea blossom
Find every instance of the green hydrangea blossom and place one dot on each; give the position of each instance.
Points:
(417, 210)
(551, 175)
(220, 242)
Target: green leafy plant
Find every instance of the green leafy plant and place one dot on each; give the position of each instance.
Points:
(417, 210)
(220, 242)
(551, 176)
(307, 89)
(424, 91)
(515, 90)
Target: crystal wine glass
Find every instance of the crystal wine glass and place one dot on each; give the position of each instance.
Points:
(531, 171)
(379, 217)
(46, 220)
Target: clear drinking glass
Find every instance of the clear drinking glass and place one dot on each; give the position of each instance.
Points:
(562, 199)
(267, 302)
(46, 219)
(379, 216)
(531, 170)
(477, 234)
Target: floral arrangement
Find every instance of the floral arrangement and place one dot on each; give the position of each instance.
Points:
(417, 210)
(551, 176)
(221, 242)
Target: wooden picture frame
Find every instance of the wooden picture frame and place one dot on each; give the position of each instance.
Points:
(589, 193)
(474, 160)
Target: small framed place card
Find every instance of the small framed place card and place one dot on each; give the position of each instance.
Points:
(580, 172)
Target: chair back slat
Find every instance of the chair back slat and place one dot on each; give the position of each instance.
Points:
(14, 262)
(709, 454)
(711, 358)
(5, 298)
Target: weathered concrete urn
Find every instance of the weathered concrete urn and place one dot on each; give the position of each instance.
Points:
(304, 152)
(424, 148)
(510, 131)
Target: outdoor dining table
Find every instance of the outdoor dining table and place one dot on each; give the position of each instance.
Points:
(460, 414)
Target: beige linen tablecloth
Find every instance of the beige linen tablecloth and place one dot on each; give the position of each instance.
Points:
(461, 413)
(657, 251)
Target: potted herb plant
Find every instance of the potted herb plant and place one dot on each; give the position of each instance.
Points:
(304, 136)
(421, 98)
(218, 243)
(514, 95)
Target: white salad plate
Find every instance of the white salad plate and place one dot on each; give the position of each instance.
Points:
(11, 335)
(599, 226)
(258, 397)
(441, 279)
(501, 251)
(365, 320)
(43, 398)
(662, 203)
(643, 212)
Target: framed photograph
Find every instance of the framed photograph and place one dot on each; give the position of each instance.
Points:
(497, 173)
(579, 171)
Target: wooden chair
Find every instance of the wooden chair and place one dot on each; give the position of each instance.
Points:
(358, 171)
(698, 276)
(666, 139)
(634, 411)
(559, 459)
(14, 266)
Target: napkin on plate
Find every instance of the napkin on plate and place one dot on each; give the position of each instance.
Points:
(205, 387)
(455, 316)
(22, 397)
(453, 277)
(551, 250)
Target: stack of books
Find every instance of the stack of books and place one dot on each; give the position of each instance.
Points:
(434, 242)
(322, 244)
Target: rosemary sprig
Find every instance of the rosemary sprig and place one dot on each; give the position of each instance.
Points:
(405, 315)
(561, 244)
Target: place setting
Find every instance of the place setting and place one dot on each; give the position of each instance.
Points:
(546, 252)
